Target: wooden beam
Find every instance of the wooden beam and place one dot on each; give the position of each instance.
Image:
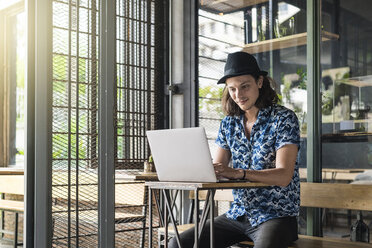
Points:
(337, 195)
(12, 184)
(284, 42)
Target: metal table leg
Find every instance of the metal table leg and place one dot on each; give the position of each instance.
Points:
(150, 217)
(211, 215)
(196, 219)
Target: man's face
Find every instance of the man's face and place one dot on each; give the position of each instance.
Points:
(244, 90)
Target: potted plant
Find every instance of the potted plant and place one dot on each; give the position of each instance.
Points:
(149, 165)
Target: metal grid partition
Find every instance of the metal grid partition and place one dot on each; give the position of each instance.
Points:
(139, 107)
(135, 81)
(74, 133)
(218, 36)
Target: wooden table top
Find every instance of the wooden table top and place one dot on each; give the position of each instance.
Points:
(136, 176)
(11, 171)
(203, 185)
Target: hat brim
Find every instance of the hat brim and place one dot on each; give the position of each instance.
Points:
(223, 79)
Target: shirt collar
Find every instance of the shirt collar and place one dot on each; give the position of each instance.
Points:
(263, 115)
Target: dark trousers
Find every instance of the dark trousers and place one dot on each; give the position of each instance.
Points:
(275, 233)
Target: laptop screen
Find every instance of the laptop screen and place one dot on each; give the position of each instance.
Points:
(181, 155)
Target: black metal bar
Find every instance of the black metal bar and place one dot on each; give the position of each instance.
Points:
(16, 230)
(313, 100)
(77, 122)
(165, 219)
(174, 198)
(205, 212)
(168, 208)
(191, 211)
(148, 72)
(159, 208)
(211, 212)
(196, 218)
(2, 217)
(94, 88)
(248, 25)
(69, 127)
(190, 71)
(144, 212)
(150, 217)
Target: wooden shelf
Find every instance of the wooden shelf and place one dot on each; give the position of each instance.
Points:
(347, 137)
(227, 6)
(284, 42)
(362, 81)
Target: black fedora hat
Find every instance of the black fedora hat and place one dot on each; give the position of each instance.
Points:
(240, 63)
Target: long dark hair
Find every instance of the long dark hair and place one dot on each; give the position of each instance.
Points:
(267, 97)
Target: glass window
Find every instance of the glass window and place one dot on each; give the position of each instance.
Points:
(12, 86)
(275, 34)
(346, 89)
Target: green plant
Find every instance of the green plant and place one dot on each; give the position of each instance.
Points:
(302, 78)
(327, 103)
(209, 100)
(280, 97)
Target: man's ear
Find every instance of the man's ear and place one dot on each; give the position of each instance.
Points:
(260, 82)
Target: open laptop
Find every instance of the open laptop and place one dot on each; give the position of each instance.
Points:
(182, 155)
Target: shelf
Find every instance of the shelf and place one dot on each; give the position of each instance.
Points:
(227, 6)
(355, 121)
(362, 81)
(284, 42)
(347, 137)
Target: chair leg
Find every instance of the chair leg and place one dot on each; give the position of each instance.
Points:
(16, 231)
(2, 224)
(160, 236)
(143, 234)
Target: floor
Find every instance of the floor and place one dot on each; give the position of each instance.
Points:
(6, 244)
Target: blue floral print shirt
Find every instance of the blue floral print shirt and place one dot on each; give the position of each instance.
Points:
(275, 127)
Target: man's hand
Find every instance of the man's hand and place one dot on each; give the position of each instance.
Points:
(223, 171)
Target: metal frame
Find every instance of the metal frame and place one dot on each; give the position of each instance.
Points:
(313, 112)
(43, 129)
(106, 170)
(190, 86)
(162, 62)
(168, 214)
(29, 171)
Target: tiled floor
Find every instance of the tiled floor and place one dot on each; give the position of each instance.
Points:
(6, 244)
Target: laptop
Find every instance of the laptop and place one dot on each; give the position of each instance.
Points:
(181, 155)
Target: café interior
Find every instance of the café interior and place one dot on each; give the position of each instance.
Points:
(81, 82)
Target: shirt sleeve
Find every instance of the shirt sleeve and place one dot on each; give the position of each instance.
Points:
(288, 130)
(221, 140)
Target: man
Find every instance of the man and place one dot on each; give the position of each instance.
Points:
(261, 140)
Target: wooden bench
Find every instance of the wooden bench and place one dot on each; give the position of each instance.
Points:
(317, 195)
(11, 184)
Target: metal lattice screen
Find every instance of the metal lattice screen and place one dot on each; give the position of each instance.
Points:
(74, 134)
(137, 110)
(75, 124)
(218, 36)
